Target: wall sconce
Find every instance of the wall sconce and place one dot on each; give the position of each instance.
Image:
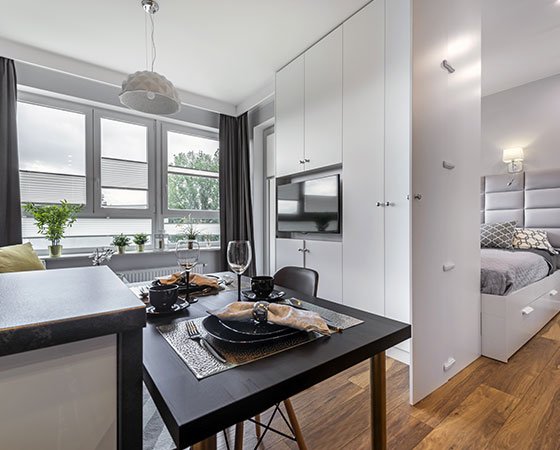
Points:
(513, 157)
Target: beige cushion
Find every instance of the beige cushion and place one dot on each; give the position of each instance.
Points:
(19, 258)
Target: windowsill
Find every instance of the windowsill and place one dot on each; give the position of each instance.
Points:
(128, 254)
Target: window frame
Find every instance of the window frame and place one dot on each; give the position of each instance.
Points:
(124, 213)
(157, 129)
(48, 102)
(173, 213)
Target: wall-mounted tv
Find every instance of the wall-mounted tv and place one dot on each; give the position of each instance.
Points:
(311, 206)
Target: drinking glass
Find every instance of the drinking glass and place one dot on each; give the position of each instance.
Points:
(239, 257)
(187, 254)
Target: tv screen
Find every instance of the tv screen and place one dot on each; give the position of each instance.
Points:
(311, 206)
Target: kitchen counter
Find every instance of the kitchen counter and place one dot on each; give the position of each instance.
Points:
(70, 360)
(49, 307)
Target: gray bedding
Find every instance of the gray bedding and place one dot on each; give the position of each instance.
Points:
(506, 271)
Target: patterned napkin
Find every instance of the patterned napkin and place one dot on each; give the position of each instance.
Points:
(199, 280)
(278, 314)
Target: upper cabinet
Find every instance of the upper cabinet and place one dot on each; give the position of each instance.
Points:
(309, 109)
(290, 118)
(323, 102)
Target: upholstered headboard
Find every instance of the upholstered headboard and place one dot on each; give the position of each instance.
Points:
(532, 199)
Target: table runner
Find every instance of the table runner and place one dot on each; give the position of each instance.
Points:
(202, 364)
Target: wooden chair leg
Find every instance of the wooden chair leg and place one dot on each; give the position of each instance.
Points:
(258, 425)
(295, 425)
(239, 436)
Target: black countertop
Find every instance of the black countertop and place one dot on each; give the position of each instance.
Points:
(51, 307)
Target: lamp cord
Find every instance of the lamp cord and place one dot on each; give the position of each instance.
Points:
(153, 42)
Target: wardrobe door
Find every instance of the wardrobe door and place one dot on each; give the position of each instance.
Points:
(397, 161)
(323, 102)
(289, 252)
(326, 258)
(363, 152)
(290, 118)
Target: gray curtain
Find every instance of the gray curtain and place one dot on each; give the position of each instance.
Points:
(10, 209)
(236, 211)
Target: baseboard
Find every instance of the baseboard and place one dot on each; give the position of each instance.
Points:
(399, 355)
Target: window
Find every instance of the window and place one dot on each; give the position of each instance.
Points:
(52, 154)
(107, 161)
(124, 164)
(192, 185)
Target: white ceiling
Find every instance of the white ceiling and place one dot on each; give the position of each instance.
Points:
(520, 42)
(221, 49)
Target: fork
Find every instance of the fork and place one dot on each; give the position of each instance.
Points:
(195, 335)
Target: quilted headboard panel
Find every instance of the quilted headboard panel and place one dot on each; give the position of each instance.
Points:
(503, 203)
(542, 202)
(532, 199)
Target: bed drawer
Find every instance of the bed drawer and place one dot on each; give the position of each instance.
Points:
(524, 321)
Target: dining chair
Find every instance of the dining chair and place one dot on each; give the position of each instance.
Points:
(305, 281)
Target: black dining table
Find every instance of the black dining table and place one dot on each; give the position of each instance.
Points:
(194, 411)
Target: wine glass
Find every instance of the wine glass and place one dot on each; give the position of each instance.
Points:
(187, 254)
(239, 257)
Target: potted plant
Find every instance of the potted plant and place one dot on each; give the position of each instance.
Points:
(52, 221)
(190, 230)
(141, 239)
(121, 241)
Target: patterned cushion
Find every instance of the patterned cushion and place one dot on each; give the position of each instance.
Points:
(528, 238)
(497, 235)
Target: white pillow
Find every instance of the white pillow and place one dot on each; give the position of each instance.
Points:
(528, 238)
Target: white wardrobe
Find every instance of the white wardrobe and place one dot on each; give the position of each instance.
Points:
(403, 133)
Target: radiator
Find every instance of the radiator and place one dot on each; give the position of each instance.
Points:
(137, 276)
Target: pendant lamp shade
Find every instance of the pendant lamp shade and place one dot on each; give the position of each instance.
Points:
(150, 92)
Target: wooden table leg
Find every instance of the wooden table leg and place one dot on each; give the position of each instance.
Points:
(238, 436)
(378, 402)
(207, 444)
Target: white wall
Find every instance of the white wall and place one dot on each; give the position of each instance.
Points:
(527, 116)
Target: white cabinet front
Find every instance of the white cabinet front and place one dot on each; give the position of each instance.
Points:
(326, 258)
(323, 102)
(290, 118)
(289, 252)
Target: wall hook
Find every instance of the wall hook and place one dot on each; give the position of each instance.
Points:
(445, 64)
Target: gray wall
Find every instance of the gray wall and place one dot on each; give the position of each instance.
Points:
(527, 116)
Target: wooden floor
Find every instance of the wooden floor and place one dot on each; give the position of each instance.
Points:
(489, 405)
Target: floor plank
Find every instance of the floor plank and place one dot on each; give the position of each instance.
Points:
(437, 406)
(534, 423)
(518, 374)
(472, 425)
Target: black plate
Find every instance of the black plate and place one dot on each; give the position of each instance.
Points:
(274, 295)
(176, 308)
(253, 328)
(217, 330)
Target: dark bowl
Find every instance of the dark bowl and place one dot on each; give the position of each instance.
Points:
(162, 298)
(262, 286)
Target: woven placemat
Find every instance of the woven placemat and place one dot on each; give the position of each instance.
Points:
(202, 364)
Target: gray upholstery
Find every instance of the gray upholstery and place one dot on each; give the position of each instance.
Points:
(503, 203)
(533, 200)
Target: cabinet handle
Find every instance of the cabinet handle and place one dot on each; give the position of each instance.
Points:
(417, 196)
(302, 161)
(306, 160)
(526, 311)
(300, 249)
(306, 250)
(388, 204)
(379, 204)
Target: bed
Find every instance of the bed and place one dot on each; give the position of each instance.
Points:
(519, 288)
